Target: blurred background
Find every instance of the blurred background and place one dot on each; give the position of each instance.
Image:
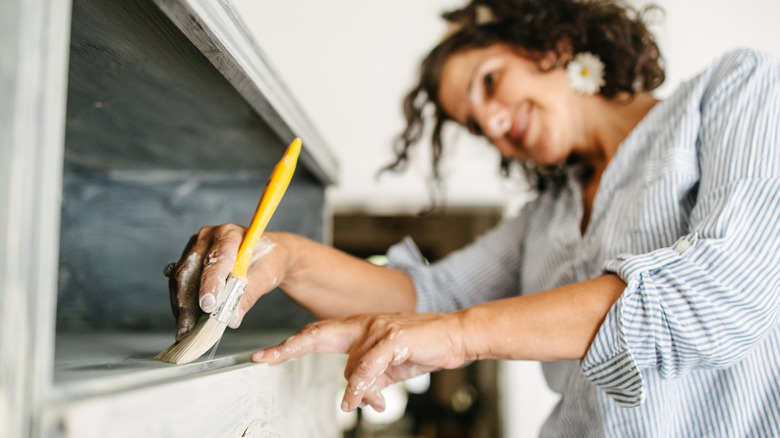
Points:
(349, 63)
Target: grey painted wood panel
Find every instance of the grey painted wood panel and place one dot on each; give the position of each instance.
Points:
(141, 97)
(120, 228)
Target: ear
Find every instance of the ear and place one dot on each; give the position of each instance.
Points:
(565, 51)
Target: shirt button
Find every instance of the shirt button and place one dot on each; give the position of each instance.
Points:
(681, 246)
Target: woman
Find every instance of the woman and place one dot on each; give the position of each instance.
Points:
(642, 275)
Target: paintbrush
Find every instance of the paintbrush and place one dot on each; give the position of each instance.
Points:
(210, 329)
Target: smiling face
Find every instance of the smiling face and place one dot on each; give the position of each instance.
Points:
(527, 112)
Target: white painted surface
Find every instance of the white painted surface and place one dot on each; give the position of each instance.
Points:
(33, 70)
(107, 385)
(350, 62)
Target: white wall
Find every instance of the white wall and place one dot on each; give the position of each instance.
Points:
(349, 62)
(696, 31)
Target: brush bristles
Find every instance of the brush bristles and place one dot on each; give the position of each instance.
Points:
(205, 334)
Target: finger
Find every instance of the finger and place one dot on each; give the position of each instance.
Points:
(330, 336)
(386, 336)
(222, 250)
(187, 282)
(173, 284)
(373, 397)
(238, 314)
(368, 369)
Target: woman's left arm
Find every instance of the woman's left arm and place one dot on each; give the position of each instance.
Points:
(383, 349)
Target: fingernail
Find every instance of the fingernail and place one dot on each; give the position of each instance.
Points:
(258, 356)
(207, 302)
(181, 333)
(344, 406)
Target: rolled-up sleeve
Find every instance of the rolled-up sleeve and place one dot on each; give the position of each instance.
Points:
(707, 300)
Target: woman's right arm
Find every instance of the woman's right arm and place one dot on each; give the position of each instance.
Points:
(324, 280)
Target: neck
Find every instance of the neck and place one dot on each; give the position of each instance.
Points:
(613, 119)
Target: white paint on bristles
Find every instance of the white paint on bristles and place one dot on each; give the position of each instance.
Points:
(205, 334)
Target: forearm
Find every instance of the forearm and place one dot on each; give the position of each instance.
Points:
(556, 324)
(333, 284)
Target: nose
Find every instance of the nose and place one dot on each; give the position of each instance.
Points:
(497, 121)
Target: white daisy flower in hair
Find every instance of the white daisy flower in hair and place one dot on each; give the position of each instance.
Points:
(586, 73)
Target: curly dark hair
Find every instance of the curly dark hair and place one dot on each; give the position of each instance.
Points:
(616, 33)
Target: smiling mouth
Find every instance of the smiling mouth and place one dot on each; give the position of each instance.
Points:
(520, 124)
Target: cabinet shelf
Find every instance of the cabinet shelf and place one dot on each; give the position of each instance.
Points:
(128, 126)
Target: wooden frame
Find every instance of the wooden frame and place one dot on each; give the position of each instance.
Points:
(33, 72)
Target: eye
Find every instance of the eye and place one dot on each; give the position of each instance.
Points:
(488, 81)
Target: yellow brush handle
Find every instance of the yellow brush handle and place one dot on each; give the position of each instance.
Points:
(274, 190)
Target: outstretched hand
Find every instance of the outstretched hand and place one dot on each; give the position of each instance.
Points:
(382, 349)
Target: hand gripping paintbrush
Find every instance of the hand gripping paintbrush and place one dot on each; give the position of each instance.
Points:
(210, 329)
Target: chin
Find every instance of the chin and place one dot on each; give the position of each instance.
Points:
(549, 159)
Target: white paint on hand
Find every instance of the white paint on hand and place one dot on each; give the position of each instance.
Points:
(264, 246)
(190, 273)
(400, 354)
(213, 259)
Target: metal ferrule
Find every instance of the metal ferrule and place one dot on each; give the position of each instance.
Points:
(234, 288)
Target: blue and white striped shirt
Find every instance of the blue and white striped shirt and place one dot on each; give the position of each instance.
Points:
(688, 215)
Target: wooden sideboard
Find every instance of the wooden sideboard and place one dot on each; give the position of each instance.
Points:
(125, 126)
